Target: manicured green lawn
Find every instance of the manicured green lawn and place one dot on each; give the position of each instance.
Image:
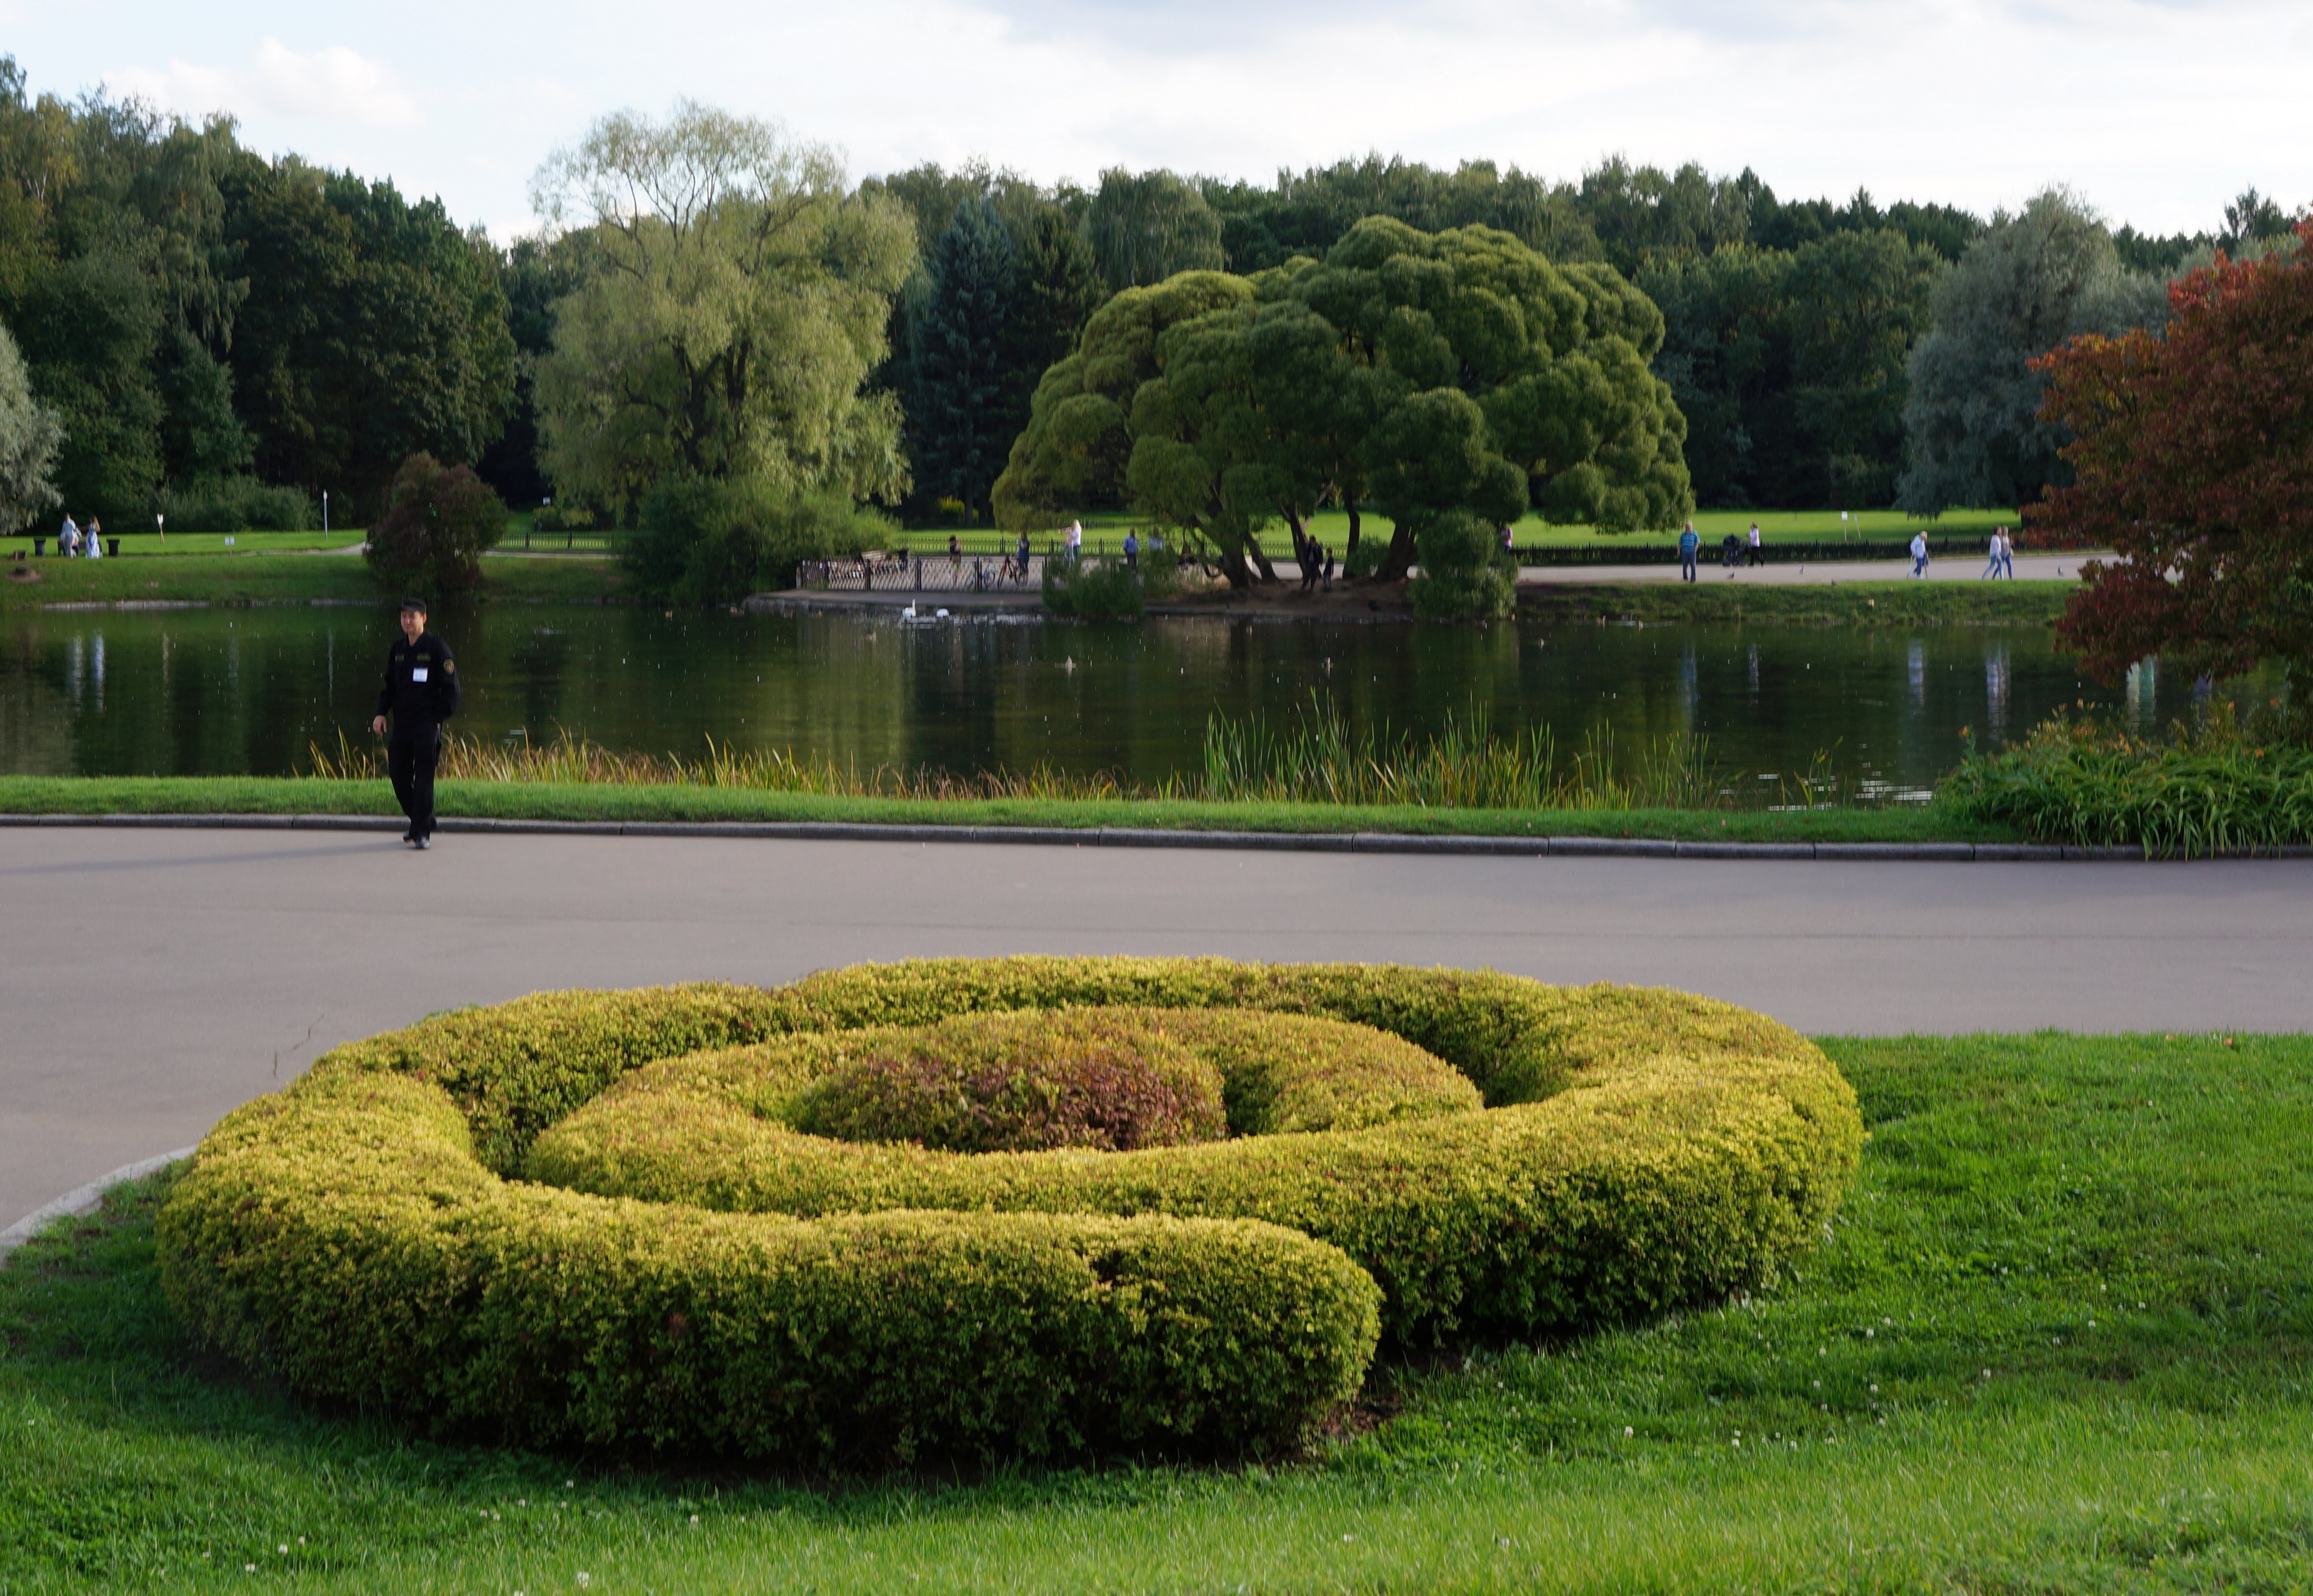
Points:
(2058, 1341)
(572, 800)
(280, 577)
(138, 542)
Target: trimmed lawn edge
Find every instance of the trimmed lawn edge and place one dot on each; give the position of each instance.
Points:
(1081, 820)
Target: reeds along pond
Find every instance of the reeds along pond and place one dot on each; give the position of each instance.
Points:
(1314, 757)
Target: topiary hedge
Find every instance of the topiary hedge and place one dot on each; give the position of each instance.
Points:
(405, 1225)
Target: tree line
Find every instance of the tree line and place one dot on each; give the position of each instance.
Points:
(197, 324)
(713, 303)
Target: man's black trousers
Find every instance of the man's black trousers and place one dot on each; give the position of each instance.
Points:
(410, 760)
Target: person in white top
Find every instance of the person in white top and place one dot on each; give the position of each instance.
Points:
(1758, 550)
(1918, 554)
(1991, 568)
(1076, 539)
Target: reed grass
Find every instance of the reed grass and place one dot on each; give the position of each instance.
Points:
(1312, 757)
(2204, 788)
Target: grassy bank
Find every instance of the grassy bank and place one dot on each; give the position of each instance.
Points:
(283, 577)
(1899, 603)
(581, 801)
(2057, 1342)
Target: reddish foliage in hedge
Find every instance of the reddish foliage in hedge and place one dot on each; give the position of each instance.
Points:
(1014, 1082)
(2194, 451)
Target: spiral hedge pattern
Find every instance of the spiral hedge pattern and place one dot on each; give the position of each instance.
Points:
(446, 1221)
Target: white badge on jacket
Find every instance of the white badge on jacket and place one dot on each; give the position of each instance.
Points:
(417, 673)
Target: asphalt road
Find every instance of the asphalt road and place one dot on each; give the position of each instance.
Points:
(155, 978)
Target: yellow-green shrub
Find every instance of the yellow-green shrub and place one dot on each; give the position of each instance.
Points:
(342, 1235)
(1644, 1150)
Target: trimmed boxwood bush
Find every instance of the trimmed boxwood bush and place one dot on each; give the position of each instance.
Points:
(360, 1235)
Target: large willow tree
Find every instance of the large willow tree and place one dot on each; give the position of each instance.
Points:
(736, 303)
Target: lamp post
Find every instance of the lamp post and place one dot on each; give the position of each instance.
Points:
(325, 513)
(160, 525)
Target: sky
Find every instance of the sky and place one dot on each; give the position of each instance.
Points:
(2156, 112)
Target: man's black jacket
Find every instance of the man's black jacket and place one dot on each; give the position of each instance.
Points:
(421, 682)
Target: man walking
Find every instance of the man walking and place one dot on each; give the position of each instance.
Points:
(1690, 542)
(1918, 554)
(1758, 548)
(420, 692)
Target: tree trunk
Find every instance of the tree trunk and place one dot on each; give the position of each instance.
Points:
(1300, 538)
(1400, 557)
(1356, 525)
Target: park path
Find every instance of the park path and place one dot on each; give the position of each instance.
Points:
(1783, 572)
(160, 977)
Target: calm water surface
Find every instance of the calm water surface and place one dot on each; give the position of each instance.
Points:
(248, 691)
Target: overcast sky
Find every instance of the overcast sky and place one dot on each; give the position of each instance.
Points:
(2157, 113)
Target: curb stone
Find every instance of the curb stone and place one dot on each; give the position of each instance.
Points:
(82, 1199)
(1326, 842)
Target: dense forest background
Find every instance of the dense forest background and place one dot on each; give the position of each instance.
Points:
(224, 337)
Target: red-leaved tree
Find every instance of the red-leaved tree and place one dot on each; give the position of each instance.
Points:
(2195, 453)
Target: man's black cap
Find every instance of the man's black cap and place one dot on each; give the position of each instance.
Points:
(417, 604)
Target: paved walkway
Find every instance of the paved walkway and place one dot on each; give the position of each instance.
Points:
(1778, 573)
(157, 979)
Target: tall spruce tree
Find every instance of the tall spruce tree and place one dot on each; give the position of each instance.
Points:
(966, 402)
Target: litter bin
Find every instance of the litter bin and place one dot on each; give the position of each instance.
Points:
(112, 548)
(40, 546)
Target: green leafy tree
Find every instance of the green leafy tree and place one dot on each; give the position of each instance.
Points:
(1306, 212)
(738, 301)
(1073, 454)
(2035, 280)
(1060, 289)
(536, 273)
(965, 400)
(1147, 226)
(439, 521)
(1259, 414)
(373, 329)
(1858, 302)
(701, 541)
(1554, 358)
(1460, 377)
(30, 433)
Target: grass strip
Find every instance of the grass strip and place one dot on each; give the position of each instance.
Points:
(550, 800)
(2059, 1340)
(286, 578)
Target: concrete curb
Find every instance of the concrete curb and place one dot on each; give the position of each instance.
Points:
(82, 1199)
(1126, 837)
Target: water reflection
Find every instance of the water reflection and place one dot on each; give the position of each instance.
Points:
(248, 690)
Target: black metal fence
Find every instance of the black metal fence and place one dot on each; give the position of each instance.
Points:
(1653, 552)
(903, 572)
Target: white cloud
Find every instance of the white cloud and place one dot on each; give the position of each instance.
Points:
(2157, 110)
(331, 84)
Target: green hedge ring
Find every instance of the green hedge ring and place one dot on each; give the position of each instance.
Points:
(446, 1221)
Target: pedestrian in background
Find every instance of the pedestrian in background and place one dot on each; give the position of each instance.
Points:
(2006, 553)
(1758, 549)
(68, 540)
(420, 692)
(1991, 567)
(1918, 554)
(1690, 543)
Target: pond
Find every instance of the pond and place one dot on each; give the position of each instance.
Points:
(249, 690)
